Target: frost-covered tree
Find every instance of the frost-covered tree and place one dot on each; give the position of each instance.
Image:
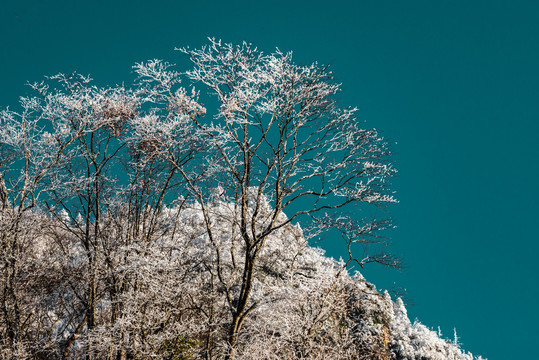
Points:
(278, 136)
(138, 223)
(29, 157)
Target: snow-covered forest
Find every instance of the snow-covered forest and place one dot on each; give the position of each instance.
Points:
(137, 222)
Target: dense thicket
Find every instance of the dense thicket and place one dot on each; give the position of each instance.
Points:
(169, 305)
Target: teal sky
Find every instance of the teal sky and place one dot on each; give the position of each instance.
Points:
(454, 83)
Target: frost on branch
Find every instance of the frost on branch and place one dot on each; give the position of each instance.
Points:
(135, 223)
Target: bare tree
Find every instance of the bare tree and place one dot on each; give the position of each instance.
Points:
(114, 191)
(32, 156)
(278, 137)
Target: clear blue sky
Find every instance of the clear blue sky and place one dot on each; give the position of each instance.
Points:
(454, 83)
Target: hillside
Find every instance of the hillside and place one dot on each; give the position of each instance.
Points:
(160, 297)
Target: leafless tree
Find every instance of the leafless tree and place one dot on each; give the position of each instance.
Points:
(278, 136)
(34, 156)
